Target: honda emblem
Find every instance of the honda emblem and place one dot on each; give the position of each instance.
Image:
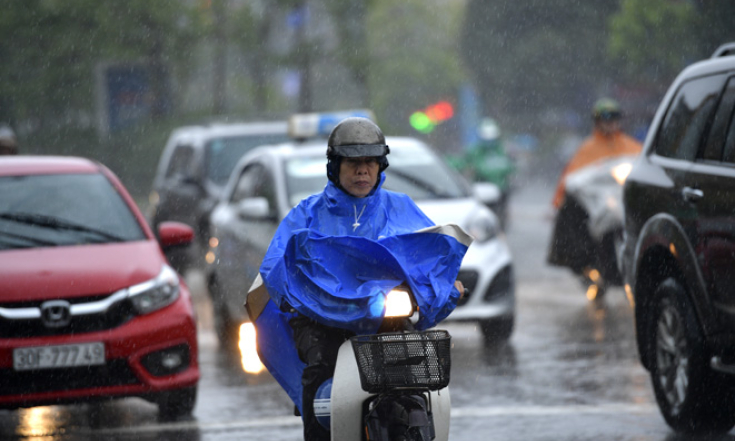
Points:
(56, 313)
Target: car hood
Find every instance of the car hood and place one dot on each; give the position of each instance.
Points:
(76, 271)
(449, 211)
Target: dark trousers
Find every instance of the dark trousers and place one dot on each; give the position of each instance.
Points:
(318, 346)
(571, 244)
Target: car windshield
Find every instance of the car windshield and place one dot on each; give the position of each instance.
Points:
(222, 154)
(58, 210)
(413, 171)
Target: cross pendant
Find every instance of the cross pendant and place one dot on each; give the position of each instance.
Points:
(355, 225)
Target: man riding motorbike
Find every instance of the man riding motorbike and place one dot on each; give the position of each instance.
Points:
(572, 244)
(346, 243)
(487, 161)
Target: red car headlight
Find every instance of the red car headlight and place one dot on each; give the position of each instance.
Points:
(156, 293)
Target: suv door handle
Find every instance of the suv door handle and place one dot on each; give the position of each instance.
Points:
(692, 194)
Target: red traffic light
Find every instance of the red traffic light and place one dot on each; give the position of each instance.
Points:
(440, 112)
(425, 120)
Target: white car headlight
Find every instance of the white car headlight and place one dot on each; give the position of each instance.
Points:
(482, 225)
(155, 293)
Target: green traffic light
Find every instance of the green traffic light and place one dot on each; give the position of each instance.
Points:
(421, 122)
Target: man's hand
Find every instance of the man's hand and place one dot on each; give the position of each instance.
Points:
(460, 288)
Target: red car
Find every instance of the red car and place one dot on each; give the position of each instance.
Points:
(89, 306)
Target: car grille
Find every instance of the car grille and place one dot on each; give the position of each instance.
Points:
(17, 319)
(114, 373)
(469, 280)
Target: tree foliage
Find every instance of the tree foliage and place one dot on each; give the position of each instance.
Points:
(50, 49)
(528, 56)
(349, 17)
(654, 39)
(642, 25)
(414, 57)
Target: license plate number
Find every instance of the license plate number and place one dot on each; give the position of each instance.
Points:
(60, 356)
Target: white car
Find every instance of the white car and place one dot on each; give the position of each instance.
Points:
(270, 180)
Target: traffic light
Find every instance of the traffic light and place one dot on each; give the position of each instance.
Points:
(425, 120)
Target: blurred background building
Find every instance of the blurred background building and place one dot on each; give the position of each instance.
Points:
(110, 79)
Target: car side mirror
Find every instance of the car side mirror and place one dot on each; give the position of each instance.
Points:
(257, 208)
(192, 181)
(171, 234)
(488, 193)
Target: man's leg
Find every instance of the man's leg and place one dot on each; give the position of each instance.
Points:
(318, 346)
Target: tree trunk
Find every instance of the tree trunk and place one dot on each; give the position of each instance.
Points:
(304, 57)
(220, 57)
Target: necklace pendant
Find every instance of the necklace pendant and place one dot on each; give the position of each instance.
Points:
(357, 217)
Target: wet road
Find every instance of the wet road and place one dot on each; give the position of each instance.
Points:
(570, 372)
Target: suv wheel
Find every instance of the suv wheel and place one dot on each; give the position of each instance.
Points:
(691, 397)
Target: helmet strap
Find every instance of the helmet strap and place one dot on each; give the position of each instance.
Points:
(333, 164)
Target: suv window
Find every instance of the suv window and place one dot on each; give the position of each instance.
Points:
(687, 117)
(722, 121)
(729, 153)
(180, 163)
(222, 154)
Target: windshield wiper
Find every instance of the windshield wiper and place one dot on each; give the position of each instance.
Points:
(41, 220)
(33, 241)
(424, 185)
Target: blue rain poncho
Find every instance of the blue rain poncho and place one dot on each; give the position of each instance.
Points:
(333, 259)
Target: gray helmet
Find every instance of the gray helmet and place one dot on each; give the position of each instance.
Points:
(355, 137)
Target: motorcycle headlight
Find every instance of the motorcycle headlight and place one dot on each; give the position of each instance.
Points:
(398, 303)
(155, 293)
(621, 171)
(482, 225)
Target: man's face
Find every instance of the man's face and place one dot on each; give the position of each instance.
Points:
(358, 176)
(608, 126)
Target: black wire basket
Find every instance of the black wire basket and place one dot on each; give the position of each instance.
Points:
(403, 360)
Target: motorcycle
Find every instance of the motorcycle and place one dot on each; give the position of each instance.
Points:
(390, 380)
(588, 229)
(391, 385)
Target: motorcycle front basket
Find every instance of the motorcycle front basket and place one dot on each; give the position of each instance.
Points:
(403, 360)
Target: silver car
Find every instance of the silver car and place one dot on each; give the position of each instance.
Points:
(270, 180)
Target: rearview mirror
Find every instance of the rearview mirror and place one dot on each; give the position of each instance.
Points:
(172, 234)
(255, 209)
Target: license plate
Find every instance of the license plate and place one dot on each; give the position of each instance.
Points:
(60, 356)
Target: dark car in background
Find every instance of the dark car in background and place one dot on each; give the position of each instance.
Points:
(192, 172)
(89, 307)
(678, 257)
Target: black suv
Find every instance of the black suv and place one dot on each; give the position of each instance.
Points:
(192, 172)
(678, 257)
